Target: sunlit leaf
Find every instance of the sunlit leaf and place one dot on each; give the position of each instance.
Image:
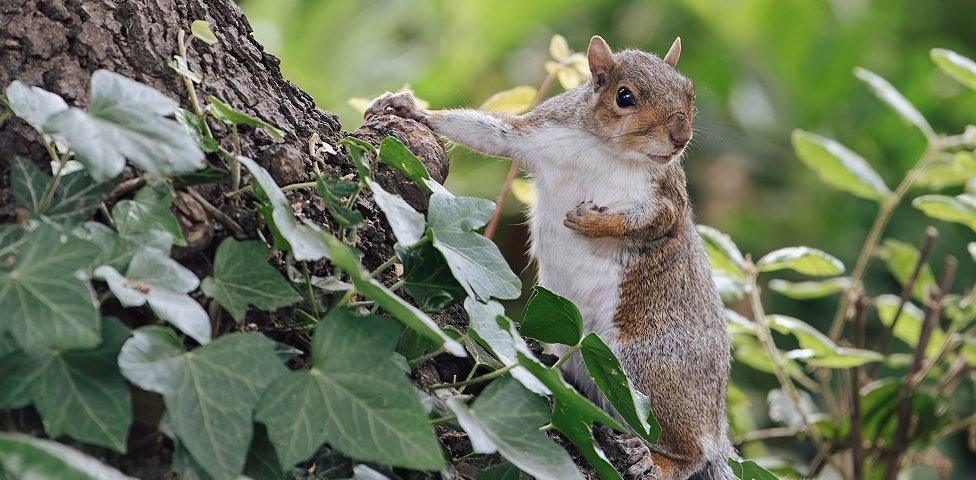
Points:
(180, 66)
(126, 119)
(201, 30)
(839, 166)
(909, 325)
(722, 252)
(523, 191)
(806, 260)
(749, 470)
(956, 66)
(552, 318)
(149, 210)
(506, 418)
(354, 397)
(407, 224)
(35, 105)
(223, 112)
(811, 289)
(890, 95)
(806, 335)
(958, 209)
(901, 259)
(949, 172)
(242, 277)
(513, 101)
(22, 456)
(559, 48)
(210, 392)
(489, 325)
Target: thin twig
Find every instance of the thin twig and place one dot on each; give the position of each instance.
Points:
(765, 434)
(857, 438)
(215, 212)
(482, 378)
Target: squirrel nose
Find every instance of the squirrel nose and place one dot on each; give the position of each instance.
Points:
(680, 139)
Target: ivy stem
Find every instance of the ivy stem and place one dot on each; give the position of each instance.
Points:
(52, 185)
(311, 294)
(444, 419)
(427, 356)
(235, 164)
(874, 235)
(194, 101)
(396, 286)
(482, 378)
(346, 297)
(566, 356)
(383, 266)
(514, 169)
(547, 427)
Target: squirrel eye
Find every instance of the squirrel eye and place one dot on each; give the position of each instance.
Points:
(625, 98)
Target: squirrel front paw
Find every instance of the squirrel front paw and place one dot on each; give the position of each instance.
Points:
(595, 221)
(400, 104)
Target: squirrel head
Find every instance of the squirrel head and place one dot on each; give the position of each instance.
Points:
(641, 104)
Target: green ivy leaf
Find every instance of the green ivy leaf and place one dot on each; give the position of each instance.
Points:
(27, 183)
(354, 397)
(242, 277)
(806, 260)
(839, 166)
(303, 240)
(475, 260)
(579, 431)
(347, 259)
(749, 470)
(35, 106)
(200, 29)
(333, 191)
(958, 209)
(210, 392)
(501, 471)
(722, 252)
(811, 289)
(160, 281)
(149, 210)
(227, 114)
(506, 418)
(632, 405)
(395, 154)
(901, 259)
(126, 119)
(359, 152)
(46, 305)
(198, 131)
(427, 277)
(262, 461)
(408, 225)
(956, 66)
(491, 328)
(565, 394)
(22, 456)
(890, 95)
(551, 318)
(78, 393)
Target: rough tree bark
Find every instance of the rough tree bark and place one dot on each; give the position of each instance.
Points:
(57, 44)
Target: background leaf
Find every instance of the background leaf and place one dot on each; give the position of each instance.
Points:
(22, 456)
(839, 166)
(890, 95)
(956, 66)
(513, 101)
(806, 260)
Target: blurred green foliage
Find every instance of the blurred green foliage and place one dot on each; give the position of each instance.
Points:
(762, 68)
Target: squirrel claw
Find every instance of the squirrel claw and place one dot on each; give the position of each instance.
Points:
(400, 104)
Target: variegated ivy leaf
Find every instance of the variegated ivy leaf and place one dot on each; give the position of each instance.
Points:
(408, 225)
(150, 210)
(35, 106)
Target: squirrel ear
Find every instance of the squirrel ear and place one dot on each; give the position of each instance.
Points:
(672, 57)
(600, 58)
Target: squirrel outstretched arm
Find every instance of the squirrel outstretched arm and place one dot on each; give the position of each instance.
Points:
(612, 231)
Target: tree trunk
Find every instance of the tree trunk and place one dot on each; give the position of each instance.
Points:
(57, 44)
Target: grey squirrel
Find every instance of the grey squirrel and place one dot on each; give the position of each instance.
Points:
(612, 231)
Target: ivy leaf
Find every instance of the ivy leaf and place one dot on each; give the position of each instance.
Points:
(333, 191)
(160, 281)
(493, 329)
(27, 183)
(565, 394)
(407, 224)
(78, 393)
(359, 152)
(513, 101)
(180, 66)
(117, 250)
(198, 131)
(35, 106)
(901, 259)
(427, 277)
(200, 29)
(579, 431)
(890, 95)
(125, 119)
(354, 397)
(73, 201)
(22, 456)
(210, 392)
(45, 304)
(958, 209)
(812, 289)
(806, 260)
(475, 260)
(303, 240)
(506, 418)
(551, 318)
(149, 210)
(346, 258)
(723, 254)
(242, 277)
(749, 470)
(839, 166)
(395, 154)
(227, 114)
(632, 405)
(956, 66)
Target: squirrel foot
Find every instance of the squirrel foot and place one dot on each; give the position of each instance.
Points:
(642, 466)
(400, 104)
(595, 221)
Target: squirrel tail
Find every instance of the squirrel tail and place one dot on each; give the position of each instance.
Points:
(714, 470)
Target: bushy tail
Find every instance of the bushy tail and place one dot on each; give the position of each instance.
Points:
(714, 470)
